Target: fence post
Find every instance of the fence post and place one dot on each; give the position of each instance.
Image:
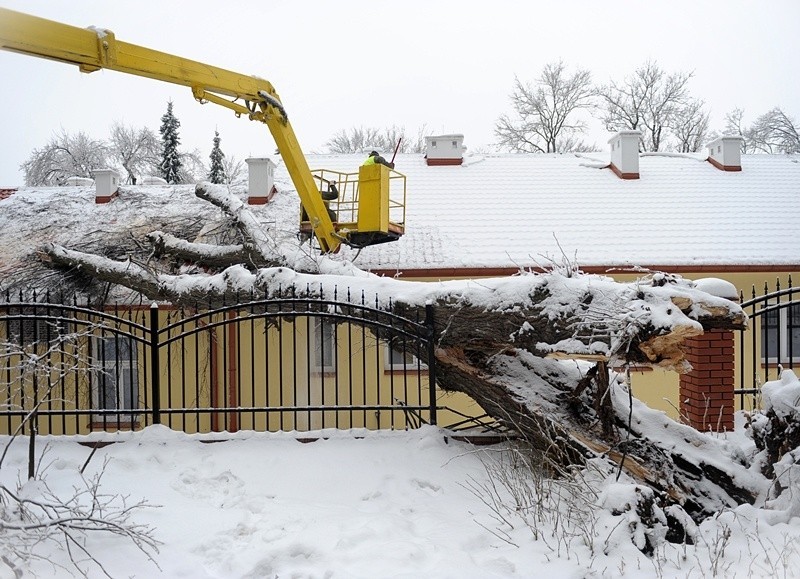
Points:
(431, 361)
(155, 371)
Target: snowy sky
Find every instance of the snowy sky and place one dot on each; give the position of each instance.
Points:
(447, 65)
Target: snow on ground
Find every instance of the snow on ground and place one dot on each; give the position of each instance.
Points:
(374, 505)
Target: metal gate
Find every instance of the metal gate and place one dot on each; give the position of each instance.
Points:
(295, 363)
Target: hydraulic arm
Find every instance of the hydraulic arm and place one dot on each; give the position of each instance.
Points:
(92, 49)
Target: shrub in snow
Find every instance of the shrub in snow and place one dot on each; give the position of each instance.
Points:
(632, 515)
(776, 431)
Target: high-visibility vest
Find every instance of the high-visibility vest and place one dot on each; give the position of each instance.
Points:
(370, 161)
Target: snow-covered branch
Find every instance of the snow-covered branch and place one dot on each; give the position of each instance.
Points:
(34, 515)
(216, 256)
(584, 316)
(269, 248)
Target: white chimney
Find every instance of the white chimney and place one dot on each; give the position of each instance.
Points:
(444, 149)
(260, 180)
(625, 154)
(725, 153)
(106, 183)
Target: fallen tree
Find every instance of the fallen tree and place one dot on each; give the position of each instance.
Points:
(533, 350)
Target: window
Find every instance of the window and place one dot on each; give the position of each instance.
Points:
(39, 330)
(780, 334)
(400, 356)
(323, 342)
(433, 144)
(116, 379)
(455, 144)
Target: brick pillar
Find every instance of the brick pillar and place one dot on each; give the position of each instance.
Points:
(706, 393)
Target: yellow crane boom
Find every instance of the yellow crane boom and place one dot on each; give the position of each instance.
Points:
(92, 49)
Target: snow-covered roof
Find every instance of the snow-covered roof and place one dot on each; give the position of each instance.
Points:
(500, 211)
(494, 211)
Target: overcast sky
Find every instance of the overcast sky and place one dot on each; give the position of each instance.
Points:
(446, 65)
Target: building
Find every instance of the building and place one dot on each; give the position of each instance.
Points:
(712, 215)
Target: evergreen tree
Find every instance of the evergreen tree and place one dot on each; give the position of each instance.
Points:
(217, 173)
(170, 158)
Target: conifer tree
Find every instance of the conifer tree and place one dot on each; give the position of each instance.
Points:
(217, 172)
(170, 158)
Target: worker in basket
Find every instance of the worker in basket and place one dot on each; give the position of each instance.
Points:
(374, 158)
(331, 194)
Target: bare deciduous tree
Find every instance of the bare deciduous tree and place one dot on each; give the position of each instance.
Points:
(136, 150)
(234, 169)
(648, 101)
(193, 168)
(546, 113)
(734, 126)
(690, 126)
(66, 155)
(772, 132)
(362, 140)
(775, 132)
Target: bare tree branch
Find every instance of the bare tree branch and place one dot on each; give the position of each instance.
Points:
(136, 150)
(66, 155)
(648, 101)
(546, 114)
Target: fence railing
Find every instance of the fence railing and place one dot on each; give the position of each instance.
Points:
(258, 364)
(772, 341)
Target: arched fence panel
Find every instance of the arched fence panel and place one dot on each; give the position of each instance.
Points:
(294, 364)
(68, 368)
(771, 342)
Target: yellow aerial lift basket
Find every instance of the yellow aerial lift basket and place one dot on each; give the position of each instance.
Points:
(369, 207)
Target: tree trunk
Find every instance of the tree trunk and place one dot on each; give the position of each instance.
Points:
(496, 340)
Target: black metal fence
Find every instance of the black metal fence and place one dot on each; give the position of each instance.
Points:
(772, 341)
(295, 363)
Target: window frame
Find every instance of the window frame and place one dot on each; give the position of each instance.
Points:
(413, 364)
(324, 348)
(784, 328)
(116, 370)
